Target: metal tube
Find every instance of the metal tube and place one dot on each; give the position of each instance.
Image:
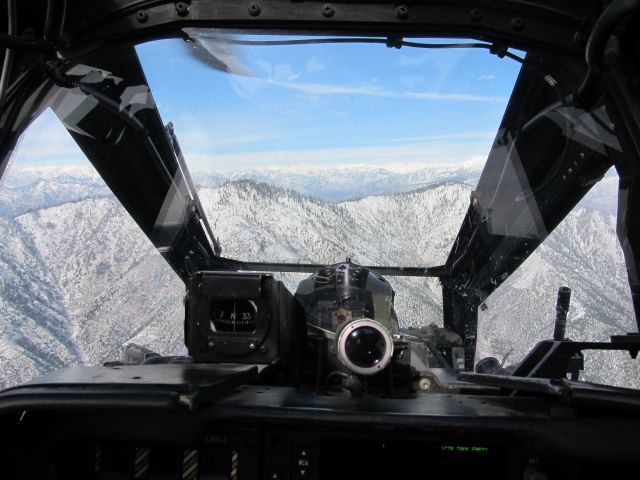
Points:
(597, 43)
(48, 20)
(562, 308)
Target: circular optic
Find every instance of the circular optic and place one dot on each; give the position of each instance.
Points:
(364, 346)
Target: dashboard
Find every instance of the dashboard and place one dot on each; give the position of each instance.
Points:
(145, 430)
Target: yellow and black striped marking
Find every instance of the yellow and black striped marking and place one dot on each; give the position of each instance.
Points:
(234, 465)
(190, 465)
(141, 463)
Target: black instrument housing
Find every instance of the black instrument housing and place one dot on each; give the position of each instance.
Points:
(278, 320)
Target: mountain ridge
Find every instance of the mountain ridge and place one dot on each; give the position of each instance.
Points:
(84, 267)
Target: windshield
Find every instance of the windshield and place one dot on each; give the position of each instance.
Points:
(308, 152)
(325, 131)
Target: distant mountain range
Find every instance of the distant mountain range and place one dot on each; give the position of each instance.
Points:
(78, 279)
(337, 184)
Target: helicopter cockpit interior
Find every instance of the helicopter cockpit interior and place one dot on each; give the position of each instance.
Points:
(325, 239)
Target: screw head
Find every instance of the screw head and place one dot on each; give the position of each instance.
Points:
(142, 17)
(254, 9)
(328, 10)
(517, 23)
(580, 38)
(263, 349)
(424, 384)
(402, 12)
(252, 346)
(475, 14)
(182, 9)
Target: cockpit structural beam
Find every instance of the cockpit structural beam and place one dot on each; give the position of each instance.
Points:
(625, 111)
(527, 187)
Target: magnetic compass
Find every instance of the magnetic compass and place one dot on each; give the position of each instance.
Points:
(233, 316)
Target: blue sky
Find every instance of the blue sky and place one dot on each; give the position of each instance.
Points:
(330, 103)
(324, 104)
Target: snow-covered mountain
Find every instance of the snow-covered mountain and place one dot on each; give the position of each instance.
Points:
(78, 279)
(583, 253)
(76, 282)
(335, 184)
(31, 188)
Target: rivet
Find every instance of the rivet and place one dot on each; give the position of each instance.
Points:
(580, 38)
(402, 12)
(254, 9)
(517, 24)
(182, 9)
(475, 14)
(328, 10)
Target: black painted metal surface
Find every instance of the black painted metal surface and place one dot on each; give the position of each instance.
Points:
(186, 385)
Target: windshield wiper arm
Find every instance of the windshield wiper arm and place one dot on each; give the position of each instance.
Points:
(391, 42)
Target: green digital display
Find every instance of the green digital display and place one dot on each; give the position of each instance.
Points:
(464, 449)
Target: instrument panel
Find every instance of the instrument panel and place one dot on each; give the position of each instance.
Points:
(272, 453)
(149, 422)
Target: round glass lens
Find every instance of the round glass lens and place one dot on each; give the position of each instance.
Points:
(365, 347)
